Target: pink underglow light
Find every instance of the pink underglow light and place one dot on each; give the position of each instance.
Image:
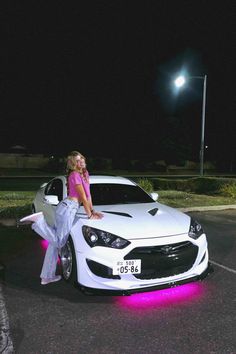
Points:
(44, 245)
(162, 298)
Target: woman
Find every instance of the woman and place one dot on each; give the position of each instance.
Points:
(78, 192)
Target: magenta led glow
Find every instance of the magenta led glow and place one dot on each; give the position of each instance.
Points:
(162, 298)
(44, 245)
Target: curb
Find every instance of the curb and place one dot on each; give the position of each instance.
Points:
(8, 222)
(209, 208)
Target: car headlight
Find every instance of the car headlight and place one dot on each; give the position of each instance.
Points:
(95, 237)
(195, 229)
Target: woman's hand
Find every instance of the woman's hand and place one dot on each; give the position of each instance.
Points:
(96, 215)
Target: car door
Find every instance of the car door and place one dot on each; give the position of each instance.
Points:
(55, 188)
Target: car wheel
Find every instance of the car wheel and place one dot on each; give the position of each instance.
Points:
(68, 262)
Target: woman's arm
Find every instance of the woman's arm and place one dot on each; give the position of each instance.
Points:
(90, 203)
(87, 203)
(96, 213)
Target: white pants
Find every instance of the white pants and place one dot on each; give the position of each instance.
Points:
(57, 235)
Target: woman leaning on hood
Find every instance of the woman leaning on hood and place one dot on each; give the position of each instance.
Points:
(78, 192)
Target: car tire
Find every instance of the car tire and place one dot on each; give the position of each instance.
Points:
(68, 262)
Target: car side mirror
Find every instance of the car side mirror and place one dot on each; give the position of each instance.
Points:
(51, 199)
(154, 196)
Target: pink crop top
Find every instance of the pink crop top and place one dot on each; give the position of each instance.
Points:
(76, 178)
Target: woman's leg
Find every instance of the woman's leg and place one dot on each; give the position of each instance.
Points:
(50, 263)
(46, 231)
(64, 222)
(57, 236)
(64, 217)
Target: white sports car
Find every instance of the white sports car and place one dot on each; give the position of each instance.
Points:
(139, 245)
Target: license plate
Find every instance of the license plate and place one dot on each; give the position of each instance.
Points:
(128, 266)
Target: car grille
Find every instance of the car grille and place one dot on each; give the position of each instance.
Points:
(164, 261)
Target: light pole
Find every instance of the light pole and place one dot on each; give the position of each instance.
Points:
(180, 81)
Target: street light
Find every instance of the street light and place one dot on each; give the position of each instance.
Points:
(179, 82)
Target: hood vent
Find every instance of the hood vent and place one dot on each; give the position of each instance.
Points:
(117, 213)
(153, 211)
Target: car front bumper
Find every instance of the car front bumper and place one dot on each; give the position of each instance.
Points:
(93, 291)
(94, 267)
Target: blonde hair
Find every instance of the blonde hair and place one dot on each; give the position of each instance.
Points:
(71, 163)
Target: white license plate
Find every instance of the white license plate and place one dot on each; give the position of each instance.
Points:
(128, 266)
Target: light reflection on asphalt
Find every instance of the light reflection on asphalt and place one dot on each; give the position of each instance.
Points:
(186, 293)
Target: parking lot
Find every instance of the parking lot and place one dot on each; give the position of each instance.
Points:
(57, 318)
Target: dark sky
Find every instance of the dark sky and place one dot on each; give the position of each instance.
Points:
(97, 77)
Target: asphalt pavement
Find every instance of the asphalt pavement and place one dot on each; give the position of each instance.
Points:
(193, 318)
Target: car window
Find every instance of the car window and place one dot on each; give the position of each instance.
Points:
(55, 187)
(108, 194)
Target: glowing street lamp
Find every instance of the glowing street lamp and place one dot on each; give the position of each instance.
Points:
(179, 82)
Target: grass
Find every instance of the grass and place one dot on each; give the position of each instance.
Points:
(17, 194)
(16, 204)
(178, 199)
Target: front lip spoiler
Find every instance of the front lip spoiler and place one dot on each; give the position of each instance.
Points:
(92, 291)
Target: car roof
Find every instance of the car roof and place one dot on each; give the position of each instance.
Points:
(95, 179)
(110, 179)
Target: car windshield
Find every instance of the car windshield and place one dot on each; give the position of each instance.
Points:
(110, 194)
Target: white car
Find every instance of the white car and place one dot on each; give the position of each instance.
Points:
(139, 245)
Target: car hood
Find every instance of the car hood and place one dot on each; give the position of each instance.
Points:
(136, 221)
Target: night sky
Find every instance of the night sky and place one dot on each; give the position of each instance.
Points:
(98, 77)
